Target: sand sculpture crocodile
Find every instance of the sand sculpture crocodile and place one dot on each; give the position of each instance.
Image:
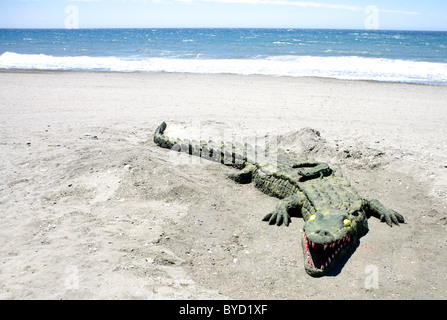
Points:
(335, 214)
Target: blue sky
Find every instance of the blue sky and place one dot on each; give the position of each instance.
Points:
(346, 14)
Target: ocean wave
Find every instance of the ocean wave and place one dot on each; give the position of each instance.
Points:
(345, 67)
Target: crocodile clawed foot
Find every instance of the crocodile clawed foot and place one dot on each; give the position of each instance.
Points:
(390, 217)
(384, 214)
(278, 217)
(281, 214)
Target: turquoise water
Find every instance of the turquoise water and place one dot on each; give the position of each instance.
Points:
(404, 56)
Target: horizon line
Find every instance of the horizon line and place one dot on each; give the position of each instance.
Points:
(265, 28)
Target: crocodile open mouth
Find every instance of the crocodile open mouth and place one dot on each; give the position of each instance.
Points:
(320, 258)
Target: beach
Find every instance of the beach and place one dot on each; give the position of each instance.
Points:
(91, 208)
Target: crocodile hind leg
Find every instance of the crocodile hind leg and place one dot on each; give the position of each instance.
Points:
(375, 208)
(281, 213)
(244, 176)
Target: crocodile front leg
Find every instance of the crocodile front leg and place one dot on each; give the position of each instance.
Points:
(375, 208)
(281, 214)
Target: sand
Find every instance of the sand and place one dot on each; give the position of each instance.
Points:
(92, 209)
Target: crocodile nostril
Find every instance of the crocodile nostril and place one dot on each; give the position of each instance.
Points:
(323, 233)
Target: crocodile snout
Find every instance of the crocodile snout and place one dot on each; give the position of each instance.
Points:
(325, 227)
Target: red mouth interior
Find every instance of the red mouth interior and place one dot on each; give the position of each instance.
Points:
(320, 257)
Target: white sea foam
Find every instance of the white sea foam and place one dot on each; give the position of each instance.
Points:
(353, 68)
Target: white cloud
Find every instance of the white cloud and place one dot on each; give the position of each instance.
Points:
(413, 13)
(303, 4)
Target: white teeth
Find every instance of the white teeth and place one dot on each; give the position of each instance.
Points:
(335, 248)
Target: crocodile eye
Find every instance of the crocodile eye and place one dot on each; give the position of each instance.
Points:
(346, 222)
(312, 217)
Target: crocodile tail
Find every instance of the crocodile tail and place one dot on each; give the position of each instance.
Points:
(226, 153)
(158, 134)
(161, 128)
(160, 139)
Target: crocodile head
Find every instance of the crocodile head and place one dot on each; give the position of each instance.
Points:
(327, 236)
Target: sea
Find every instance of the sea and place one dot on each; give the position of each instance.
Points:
(394, 56)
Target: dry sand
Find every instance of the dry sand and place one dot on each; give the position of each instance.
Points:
(92, 209)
